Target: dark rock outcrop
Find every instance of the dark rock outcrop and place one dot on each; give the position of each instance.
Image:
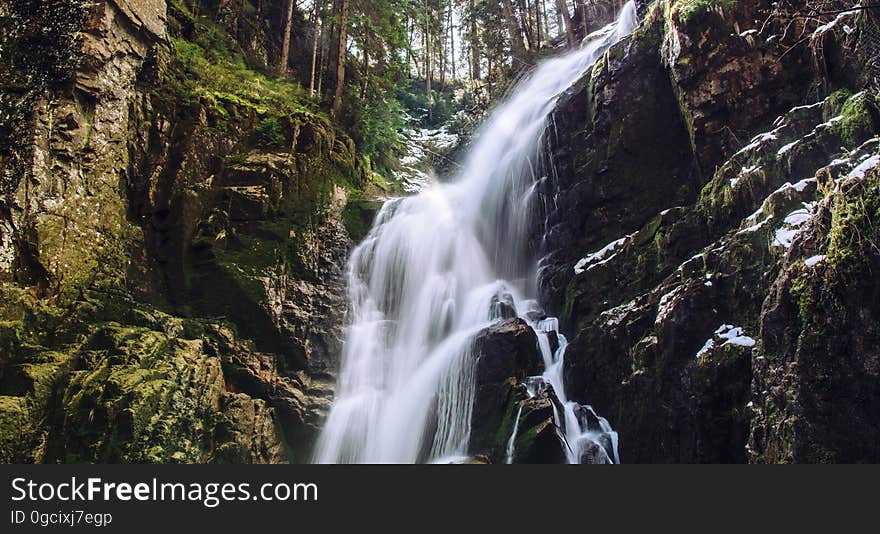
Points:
(505, 354)
(537, 436)
(814, 392)
(508, 350)
(683, 329)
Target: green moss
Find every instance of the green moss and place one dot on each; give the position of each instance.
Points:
(687, 116)
(806, 291)
(525, 441)
(649, 34)
(649, 232)
(142, 398)
(835, 103)
(353, 218)
(856, 122)
(83, 247)
(359, 214)
(144, 387)
(16, 430)
(505, 429)
(236, 159)
(686, 10)
(10, 338)
(855, 225)
(220, 77)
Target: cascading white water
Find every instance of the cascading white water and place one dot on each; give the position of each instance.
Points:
(423, 284)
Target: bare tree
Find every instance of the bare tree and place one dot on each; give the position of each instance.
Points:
(525, 27)
(285, 43)
(318, 31)
(562, 10)
(517, 48)
(538, 33)
(428, 67)
(340, 59)
(474, 45)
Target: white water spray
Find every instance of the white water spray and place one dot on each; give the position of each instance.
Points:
(423, 284)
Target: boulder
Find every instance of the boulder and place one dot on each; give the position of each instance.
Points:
(505, 354)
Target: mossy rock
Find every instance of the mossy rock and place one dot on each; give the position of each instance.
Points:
(18, 436)
(146, 399)
(359, 215)
(858, 120)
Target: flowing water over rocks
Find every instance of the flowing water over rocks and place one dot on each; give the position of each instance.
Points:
(440, 267)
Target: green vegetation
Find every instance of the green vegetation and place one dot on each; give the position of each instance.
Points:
(220, 76)
(444, 103)
(356, 218)
(91, 383)
(374, 123)
(855, 225)
(688, 9)
(854, 235)
(856, 121)
(268, 133)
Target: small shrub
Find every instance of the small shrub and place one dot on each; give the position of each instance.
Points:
(268, 133)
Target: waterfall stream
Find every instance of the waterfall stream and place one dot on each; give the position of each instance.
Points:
(425, 282)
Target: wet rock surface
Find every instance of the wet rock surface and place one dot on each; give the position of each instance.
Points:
(505, 354)
(679, 285)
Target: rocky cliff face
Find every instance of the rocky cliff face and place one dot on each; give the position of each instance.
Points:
(170, 250)
(713, 245)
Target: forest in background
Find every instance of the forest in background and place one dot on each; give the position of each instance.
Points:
(377, 66)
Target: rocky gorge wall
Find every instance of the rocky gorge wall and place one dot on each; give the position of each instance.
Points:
(171, 248)
(711, 246)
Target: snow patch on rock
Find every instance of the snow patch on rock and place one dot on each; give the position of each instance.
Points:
(601, 256)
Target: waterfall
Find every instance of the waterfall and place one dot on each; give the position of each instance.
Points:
(421, 286)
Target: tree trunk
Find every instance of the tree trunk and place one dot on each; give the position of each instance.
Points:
(409, 54)
(322, 59)
(285, 43)
(475, 46)
(490, 77)
(546, 19)
(452, 42)
(562, 9)
(517, 49)
(340, 60)
(428, 72)
(525, 26)
(317, 29)
(538, 30)
(447, 36)
(366, 72)
(581, 10)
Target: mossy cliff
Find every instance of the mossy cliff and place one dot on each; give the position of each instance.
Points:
(730, 166)
(172, 234)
